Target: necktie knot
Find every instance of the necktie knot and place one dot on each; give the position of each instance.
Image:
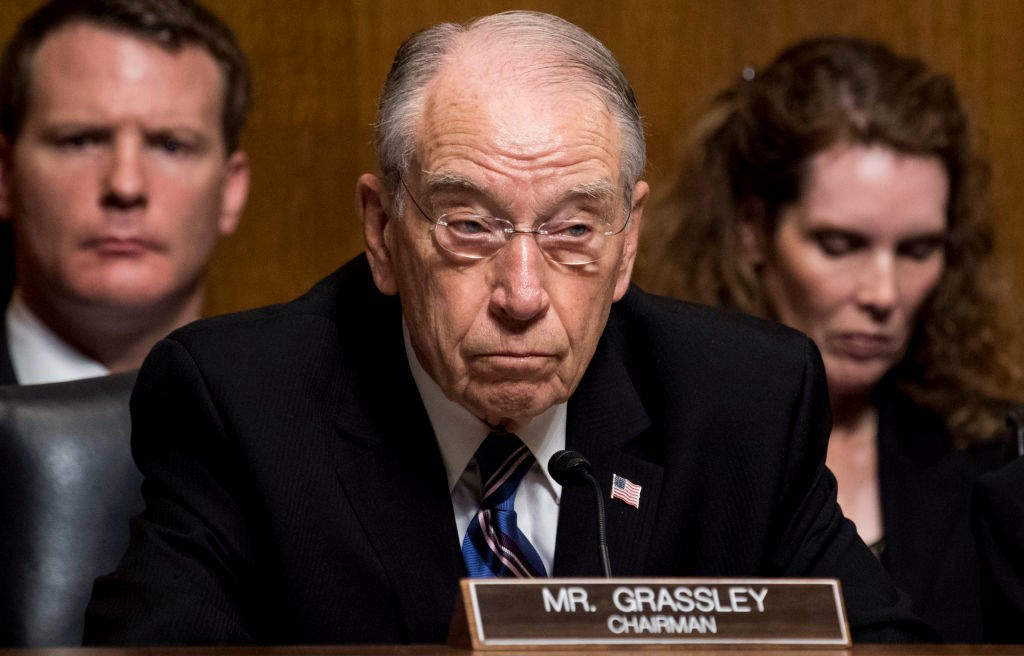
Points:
(503, 461)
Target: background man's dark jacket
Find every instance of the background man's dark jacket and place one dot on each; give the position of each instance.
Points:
(7, 376)
(295, 492)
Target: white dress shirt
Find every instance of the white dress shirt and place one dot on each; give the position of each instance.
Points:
(459, 434)
(38, 354)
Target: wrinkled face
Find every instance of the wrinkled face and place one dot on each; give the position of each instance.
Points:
(119, 185)
(853, 261)
(510, 335)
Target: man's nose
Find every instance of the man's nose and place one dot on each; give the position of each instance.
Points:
(877, 288)
(518, 289)
(125, 181)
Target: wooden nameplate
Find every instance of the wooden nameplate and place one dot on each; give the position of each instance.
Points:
(537, 614)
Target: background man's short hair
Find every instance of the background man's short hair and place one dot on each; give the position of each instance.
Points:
(171, 24)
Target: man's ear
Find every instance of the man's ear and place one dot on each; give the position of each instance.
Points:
(235, 192)
(631, 239)
(374, 211)
(6, 177)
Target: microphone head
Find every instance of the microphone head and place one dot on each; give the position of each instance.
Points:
(569, 467)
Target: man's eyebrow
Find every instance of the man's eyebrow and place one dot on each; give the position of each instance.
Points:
(601, 190)
(441, 182)
(58, 127)
(597, 190)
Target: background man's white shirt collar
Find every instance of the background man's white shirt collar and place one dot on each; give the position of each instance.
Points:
(38, 354)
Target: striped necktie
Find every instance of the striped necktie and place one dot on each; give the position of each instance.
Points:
(494, 545)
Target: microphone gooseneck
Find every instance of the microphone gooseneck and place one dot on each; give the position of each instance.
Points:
(572, 468)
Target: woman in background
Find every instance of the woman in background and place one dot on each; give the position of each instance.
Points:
(837, 192)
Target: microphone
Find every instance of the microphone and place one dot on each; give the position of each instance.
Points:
(572, 468)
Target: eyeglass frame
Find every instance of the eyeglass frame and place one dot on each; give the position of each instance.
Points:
(508, 232)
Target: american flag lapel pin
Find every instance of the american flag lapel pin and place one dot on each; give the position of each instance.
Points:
(626, 491)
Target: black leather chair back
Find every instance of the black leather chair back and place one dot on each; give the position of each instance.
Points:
(68, 486)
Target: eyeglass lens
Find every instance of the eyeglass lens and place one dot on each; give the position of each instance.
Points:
(576, 240)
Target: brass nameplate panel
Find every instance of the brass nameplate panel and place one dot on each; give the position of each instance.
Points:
(596, 613)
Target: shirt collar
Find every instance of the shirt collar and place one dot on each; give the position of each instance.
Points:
(460, 433)
(38, 354)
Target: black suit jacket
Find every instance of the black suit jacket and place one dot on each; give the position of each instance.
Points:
(926, 490)
(7, 375)
(296, 494)
(999, 525)
(6, 259)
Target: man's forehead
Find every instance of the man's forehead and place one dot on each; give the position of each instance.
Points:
(111, 34)
(523, 122)
(83, 65)
(99, 36)
(496, 62)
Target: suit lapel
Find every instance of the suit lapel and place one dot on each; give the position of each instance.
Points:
(392, 474)
(391, 470)
(606, 423)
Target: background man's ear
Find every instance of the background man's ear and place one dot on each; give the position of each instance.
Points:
(235, 192)
(374, 209)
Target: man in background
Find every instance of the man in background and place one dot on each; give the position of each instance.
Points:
(120, 167)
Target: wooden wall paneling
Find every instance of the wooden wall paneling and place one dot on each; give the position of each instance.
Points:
(318, 65)
(304, 148)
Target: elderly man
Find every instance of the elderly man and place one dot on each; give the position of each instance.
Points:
(119, 169)
(315, 470)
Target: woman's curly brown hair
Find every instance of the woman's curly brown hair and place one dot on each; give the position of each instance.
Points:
(747, 159)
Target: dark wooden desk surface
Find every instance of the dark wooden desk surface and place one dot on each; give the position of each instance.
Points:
(430, 650)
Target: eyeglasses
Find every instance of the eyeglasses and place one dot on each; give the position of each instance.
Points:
(572, 240)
